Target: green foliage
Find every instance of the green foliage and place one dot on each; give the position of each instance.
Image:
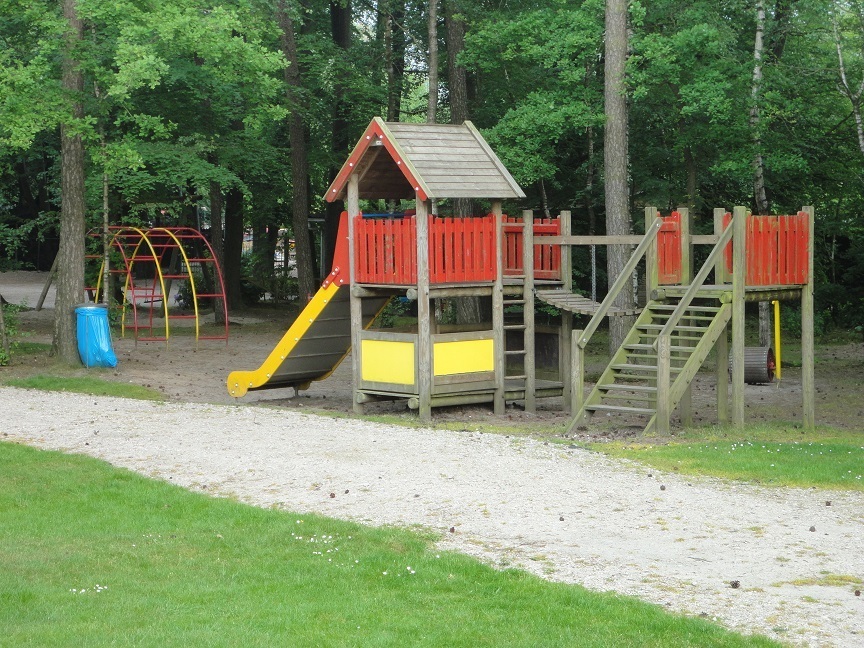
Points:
(99, 556)
(11, 330)
(395, 313)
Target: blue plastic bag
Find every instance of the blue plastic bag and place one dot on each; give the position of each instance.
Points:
(94, 336)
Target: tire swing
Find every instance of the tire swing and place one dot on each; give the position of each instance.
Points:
(759, 365)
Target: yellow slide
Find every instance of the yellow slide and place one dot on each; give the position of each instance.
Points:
(319, 338)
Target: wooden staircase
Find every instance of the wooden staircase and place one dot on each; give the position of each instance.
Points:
(629, 385)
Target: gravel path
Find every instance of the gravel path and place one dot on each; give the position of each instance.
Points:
(563, 513)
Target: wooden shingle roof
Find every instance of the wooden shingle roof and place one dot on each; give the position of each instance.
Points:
(397, 160)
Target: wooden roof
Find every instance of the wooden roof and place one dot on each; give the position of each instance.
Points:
(396, 160)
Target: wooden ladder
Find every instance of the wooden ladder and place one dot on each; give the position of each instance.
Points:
(629, 383)
(526, 381)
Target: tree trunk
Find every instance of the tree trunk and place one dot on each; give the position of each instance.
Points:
(394, 42)
(759, 194)
(70, 276)
(216, 242)
(233, 249)
(340, 22)
(432, 107)
(457, 78)
(854, 95)
(469, 310)
(616, 160)
(299, 157)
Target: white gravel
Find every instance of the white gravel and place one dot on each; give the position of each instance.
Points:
(676, 541)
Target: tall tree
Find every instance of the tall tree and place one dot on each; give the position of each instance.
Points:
(70, 262)
(759, 194)
(432, 62)
(616, 159)
(299, 154)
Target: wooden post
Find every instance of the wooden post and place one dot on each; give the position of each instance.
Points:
(664, 373)
(577, 378)
(739, 276)
(424, 314)
(722, 348)
(499, 339)
(808, 358)
(352, 205)
(686, 404)
(652, 271)
(564, 335)
(528, 293)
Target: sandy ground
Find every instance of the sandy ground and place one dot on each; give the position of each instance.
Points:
(551, 508)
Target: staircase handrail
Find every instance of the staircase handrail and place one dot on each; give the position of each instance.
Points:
(696, 284)
(621, 281)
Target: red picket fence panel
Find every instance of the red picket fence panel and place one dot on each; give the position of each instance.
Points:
(669, 250)
(461, 250)
(547, 257)
(776, 250)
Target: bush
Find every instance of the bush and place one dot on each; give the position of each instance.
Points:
(10, 331)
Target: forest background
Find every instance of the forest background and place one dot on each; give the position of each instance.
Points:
(235, 116)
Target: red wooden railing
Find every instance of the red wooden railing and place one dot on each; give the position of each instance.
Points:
(669, 250)
(776, 250)
(460, 250)
(547, 257)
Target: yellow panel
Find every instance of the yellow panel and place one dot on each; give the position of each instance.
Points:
(387, 362)
(467, 356)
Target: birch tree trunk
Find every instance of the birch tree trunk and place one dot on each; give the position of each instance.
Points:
(759, 194)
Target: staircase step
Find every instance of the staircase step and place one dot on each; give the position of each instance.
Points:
(644, 398)
(638, 367)
(634, 388)
(618, 408)
(514, 327)
(515, 352)
(660, 327)
(693, 307)
(650, 347)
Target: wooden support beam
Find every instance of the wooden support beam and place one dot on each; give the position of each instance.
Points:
(528, 265)
(664, 374)
(352, 206)
(808, 358)
(577, 368)
(499, 340)
(652, 271)
(739, 275)
(564, 335)
(424, 313)
(685, 406)
(621, 239)
(722, 348)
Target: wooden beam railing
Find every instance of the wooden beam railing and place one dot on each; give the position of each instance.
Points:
(647, 240)
(696, 284)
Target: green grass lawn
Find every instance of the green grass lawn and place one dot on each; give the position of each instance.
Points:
(86, 385)
(95, 556)
(775, 455)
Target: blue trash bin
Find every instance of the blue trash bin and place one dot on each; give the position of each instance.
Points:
(94, 336)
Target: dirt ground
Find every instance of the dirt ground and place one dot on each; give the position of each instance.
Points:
(186, 371)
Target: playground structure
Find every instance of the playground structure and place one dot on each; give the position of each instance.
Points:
(165, 254)
(425, 257)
